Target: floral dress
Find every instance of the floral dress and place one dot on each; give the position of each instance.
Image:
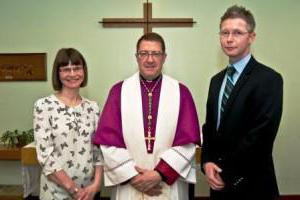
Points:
(63, 137)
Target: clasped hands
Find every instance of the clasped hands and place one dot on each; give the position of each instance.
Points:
(86, 193)
(147, 181)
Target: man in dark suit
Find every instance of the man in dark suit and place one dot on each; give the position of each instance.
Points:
(243, 113)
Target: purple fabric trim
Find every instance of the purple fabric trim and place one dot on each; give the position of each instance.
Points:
(109, 131)
(188, 129)
(169, 174)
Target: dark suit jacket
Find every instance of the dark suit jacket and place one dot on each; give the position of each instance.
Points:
(243, 144)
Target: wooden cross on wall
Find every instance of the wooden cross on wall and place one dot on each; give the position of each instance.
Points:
(147, 22)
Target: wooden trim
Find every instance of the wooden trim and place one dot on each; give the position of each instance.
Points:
(283, 197)
(10, 153)
(198, 155)
(289, 197)
(11, 192)
(28, 156)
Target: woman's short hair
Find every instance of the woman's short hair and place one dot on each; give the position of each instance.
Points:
(64, 57)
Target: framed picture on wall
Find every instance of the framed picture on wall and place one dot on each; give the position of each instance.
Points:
(23, 67)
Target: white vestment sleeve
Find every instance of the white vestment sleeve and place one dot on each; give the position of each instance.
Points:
(118, 165)
(181, 159)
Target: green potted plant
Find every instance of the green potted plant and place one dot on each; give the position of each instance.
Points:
(17, 138)
(25, 137)
(9, 138)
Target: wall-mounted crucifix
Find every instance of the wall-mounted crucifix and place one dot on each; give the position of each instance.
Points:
(147, 22)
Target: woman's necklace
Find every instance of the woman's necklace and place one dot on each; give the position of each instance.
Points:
(69, 102)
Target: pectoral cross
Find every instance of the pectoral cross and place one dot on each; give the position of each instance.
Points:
(148, 139)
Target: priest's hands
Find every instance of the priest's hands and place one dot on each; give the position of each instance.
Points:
(212, 174)
(147, 181)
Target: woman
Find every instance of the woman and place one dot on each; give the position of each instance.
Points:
(64, 123)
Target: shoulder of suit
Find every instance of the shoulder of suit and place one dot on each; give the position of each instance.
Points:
(264, 73)
(264, 69)
(219, 75)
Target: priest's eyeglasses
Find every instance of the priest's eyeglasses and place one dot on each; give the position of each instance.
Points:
(146, 54)
(234, 33)
(75, 69)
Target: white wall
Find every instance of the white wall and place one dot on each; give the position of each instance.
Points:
(194, 56)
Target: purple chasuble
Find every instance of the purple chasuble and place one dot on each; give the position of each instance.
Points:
(109, 130)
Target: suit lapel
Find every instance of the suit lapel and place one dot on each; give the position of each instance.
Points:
(238, 86)
(216, 89)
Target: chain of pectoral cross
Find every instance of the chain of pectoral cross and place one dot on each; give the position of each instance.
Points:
(149, 136)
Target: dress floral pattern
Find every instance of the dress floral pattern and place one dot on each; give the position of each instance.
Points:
(63, 137)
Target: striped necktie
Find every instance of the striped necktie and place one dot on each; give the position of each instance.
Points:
(228, 87)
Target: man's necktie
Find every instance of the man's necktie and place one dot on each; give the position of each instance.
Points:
(228, 87)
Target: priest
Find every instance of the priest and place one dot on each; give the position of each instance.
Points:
(148, 131)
